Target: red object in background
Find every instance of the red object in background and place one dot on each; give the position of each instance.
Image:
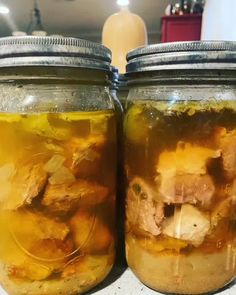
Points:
(181, 28)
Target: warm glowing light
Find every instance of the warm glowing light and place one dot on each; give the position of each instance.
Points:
(123, 2)
(4, 9)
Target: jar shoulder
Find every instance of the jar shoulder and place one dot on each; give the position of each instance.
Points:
(53, 97)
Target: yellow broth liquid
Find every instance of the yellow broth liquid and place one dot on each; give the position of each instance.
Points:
(188, 142)
(57, 199)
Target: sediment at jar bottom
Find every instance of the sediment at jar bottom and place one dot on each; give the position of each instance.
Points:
(194, 273)
(69, 285)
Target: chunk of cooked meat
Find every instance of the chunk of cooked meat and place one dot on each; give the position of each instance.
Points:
(141, 208)
(84, 155)
(228, 149)
(233, 208)
(62, 198)
(54, 163)
(226, 207)
(88, 149)
(29, 227)
(188, 224)
(51, 256)
(53, 251)
(33, 180)
(89, 232)
(32, 245)
(59, 174)
(187, 189)
(27, 184)
(187, 159)
(182, 175)
(7, 171)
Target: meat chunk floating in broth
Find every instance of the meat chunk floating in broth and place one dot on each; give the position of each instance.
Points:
(142, 209)
(27, 183)
(228, 149)
(183, 175)
(62, 198)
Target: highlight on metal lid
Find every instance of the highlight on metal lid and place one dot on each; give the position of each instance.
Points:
(53, 51)
(183, 55)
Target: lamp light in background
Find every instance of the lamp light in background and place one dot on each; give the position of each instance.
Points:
(4, 9)
(6, 16)
(122, 2)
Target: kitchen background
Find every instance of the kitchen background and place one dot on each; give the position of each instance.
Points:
(85, 18)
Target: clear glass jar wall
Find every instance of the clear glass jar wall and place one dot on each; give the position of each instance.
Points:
(180, 163)
(123, 90)
(57, 174)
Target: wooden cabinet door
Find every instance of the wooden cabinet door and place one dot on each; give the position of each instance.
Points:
(181, 28)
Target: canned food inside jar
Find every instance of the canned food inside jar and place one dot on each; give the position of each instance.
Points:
(57, 201)
(180, 204)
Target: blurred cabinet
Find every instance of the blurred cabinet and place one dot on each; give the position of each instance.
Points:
(181, 27)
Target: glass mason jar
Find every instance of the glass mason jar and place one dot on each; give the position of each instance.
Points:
(180, 164)
(57, 165)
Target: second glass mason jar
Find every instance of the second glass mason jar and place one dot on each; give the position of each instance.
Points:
(180, 163)
(57, 165)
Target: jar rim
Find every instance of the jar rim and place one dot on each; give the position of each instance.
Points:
(206, 55)
(53, 51)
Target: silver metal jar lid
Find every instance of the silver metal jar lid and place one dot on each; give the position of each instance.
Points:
(53, 51)
(123, 81)
(114, 77)
(183, 55)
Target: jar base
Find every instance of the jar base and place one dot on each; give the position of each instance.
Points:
(195, 273)
(74, 285)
